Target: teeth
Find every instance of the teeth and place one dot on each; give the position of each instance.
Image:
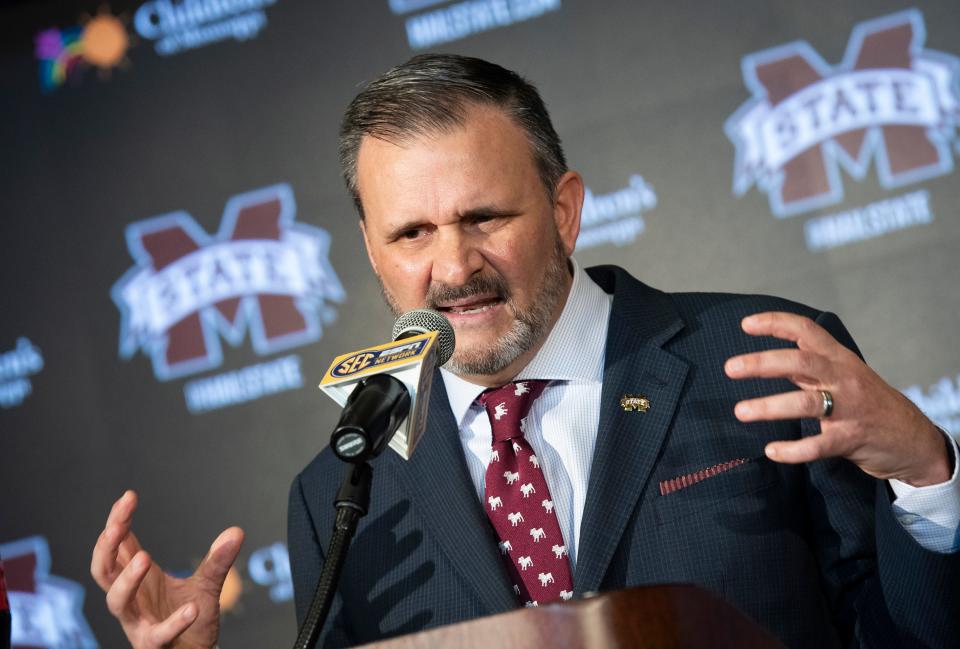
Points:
(479, 309)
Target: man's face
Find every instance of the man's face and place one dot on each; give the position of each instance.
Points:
(460, 222)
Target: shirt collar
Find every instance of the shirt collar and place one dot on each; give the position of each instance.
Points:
(582, 326)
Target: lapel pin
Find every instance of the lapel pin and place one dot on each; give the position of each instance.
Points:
(634, 403)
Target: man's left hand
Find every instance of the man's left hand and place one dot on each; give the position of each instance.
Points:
(871, 424)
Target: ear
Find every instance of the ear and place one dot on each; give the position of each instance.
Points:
(566, 209)
(366, 243)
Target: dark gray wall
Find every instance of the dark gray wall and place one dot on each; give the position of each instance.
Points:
(635, 89)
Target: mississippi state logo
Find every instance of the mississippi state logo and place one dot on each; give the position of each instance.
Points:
(261, 274)
(889, 102)
(46, 611)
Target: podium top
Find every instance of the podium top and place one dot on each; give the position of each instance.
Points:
(649, 617)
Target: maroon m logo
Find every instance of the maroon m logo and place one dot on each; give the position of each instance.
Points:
(262, 274)
(889, 101)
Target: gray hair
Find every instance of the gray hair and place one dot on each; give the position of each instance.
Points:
(431, 93)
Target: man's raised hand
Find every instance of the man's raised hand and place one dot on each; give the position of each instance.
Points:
(155, 609)
(871, 424)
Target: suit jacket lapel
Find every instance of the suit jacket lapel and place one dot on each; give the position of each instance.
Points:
(442, 492)
(628, 443)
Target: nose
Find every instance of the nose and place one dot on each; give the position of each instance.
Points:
(456, 257)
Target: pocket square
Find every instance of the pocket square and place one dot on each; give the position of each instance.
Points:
(689, 479)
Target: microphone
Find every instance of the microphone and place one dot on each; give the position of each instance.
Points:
(421, 321)
(385, 389)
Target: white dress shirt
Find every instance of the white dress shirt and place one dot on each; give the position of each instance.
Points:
(563, 423)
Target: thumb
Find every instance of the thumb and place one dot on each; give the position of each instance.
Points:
(223, 552)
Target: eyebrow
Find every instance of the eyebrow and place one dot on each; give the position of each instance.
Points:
(487, 211)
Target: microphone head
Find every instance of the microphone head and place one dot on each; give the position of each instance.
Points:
(420, 321)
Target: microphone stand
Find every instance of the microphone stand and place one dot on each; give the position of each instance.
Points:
(352, 503)
(371, 416)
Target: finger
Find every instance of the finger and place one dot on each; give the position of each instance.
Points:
(125, 586)
(165, 632)
(801, 367)
(790, 326)
(123, 508)
(788, 405)
(104, 565)
(807, 449)
(129, 546)
(120, 519)
(223, 552)
(108, 560)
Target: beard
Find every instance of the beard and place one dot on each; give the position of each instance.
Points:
(530, 326)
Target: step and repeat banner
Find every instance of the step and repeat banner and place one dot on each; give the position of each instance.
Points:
(180, 260)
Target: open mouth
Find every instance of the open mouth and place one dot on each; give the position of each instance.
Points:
(471, 306)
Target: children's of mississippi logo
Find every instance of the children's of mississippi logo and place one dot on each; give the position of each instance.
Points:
(262, 274)
(16, 367)
(180, 25)
(889, 102)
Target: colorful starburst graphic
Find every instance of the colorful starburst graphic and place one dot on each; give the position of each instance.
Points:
(100, 42)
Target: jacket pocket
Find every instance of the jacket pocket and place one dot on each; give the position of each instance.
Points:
(710, 488)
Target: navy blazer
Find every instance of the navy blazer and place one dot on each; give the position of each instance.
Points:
(811, 552)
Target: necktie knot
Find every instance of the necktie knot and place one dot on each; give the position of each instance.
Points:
(508, 405)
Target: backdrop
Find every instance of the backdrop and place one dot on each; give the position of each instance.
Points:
(180, 261)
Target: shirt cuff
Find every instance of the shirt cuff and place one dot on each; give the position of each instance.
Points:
(931, 514)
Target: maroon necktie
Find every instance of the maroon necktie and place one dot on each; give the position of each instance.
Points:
(518, 501)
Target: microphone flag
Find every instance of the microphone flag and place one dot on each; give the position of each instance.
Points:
(410, 360)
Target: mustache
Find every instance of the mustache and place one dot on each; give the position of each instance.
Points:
(438, 294)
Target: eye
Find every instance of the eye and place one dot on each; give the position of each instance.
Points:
(411, 234)
(488, 220)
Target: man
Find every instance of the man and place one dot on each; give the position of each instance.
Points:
(729, 441)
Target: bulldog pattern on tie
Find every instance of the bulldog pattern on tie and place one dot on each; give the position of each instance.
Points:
(518, 501)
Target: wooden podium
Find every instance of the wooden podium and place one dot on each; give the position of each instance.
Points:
(651, 617)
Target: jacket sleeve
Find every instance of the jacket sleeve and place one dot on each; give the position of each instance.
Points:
(884, 588)
(306, 563)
